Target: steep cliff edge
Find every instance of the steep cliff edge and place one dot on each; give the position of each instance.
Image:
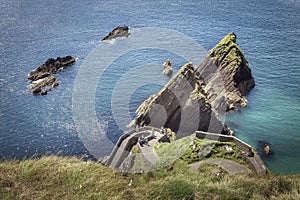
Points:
(227, 76)
(181, 105)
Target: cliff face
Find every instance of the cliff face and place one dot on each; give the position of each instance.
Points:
(181, 105)
(227, 76)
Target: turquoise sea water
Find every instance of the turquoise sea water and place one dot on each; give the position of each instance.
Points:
(31, 32)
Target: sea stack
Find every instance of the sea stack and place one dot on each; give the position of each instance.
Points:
(226, 74)
(194, 98)
(181, 105)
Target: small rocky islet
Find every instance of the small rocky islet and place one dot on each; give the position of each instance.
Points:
(120, 31)
(43, 78)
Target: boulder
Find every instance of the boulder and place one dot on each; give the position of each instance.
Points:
(120, 31)
(168, 70)
(226, 74)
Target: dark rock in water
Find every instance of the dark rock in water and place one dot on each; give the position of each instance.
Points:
(265, 148)
(36, 91)
(43, 75)
(120, 31)
(51, 66)
(181, 106)
(227, 76)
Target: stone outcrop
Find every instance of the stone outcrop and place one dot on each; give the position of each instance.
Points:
(120, 31)
(43, 79)
(181, 106)
(226, 74)
(51, 66)
(167, 68)
(37, 88)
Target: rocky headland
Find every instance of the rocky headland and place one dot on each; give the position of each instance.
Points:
(120, 31)
(43, 79)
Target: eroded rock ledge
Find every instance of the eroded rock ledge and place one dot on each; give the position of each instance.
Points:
(226, 74)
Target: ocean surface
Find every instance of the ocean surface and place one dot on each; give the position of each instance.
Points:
(33, 31)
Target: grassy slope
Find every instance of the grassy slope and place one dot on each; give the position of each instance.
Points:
(71, 178)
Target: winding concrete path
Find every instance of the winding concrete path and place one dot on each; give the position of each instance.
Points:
(148, 149)
(230, 166)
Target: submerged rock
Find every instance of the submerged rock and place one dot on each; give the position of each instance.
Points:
(43, 76)
(120, 31)
(181, 106)
(226, 74)
(265, 148)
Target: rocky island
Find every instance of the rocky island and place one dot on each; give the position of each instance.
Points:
(120, 31)
(43, 76)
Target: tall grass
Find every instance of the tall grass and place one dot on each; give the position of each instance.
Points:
(72, 178)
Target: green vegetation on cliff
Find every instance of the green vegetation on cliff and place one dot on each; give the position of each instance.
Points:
(203, 149)
(71, 178)
(227, 51)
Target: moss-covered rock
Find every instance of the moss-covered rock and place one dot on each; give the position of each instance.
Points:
(227, 75)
